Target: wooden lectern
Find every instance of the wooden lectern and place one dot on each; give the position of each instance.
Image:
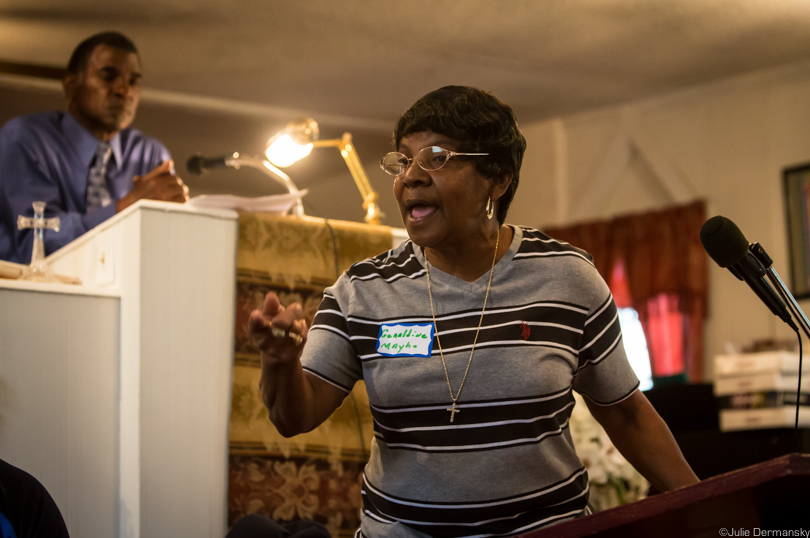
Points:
(769, 496)
(116, 394)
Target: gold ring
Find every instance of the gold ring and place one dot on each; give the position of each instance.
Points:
(280, 333)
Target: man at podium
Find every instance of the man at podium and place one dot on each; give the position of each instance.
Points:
(86, 163)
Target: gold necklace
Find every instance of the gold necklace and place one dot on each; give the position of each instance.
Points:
(453, 410)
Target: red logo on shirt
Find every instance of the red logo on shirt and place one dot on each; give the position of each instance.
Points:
(525, 331)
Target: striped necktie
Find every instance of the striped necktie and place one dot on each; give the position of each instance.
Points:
(97, 193)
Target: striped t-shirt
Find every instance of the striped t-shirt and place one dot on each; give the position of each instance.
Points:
(506, 464)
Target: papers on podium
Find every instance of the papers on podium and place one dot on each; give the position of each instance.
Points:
(278, 203)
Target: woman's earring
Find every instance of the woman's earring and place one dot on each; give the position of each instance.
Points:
(490, 208)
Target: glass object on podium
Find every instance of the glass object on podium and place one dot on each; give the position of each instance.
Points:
(38, 270)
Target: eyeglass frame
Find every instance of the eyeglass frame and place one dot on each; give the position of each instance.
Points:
(450, 155)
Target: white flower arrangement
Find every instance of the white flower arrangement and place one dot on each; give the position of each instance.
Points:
(613, 481)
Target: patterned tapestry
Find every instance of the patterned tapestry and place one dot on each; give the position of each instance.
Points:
(316, 475)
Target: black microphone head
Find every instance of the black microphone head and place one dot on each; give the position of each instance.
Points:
(723, 241)
(193, 165)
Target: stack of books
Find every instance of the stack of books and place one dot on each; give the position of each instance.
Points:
(759, 390)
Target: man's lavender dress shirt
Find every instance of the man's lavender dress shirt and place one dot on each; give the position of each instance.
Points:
(46, 157)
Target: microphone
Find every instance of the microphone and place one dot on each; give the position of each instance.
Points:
(198, 164)
(726, 245)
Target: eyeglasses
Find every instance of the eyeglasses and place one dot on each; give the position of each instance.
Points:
(429, 159)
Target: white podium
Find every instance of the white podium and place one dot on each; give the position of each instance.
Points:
(116, 394)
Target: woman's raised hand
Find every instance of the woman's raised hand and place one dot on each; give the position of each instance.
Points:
(278, 332)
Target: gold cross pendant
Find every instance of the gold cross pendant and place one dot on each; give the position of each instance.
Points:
(453, 411)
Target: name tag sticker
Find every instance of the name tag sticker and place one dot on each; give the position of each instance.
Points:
(405, 340)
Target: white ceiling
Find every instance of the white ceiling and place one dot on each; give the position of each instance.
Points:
(361, 63)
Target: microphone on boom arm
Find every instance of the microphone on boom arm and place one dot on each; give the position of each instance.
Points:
(197, 164)
(726, 245)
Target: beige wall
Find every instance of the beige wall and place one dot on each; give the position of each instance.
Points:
(726, 143)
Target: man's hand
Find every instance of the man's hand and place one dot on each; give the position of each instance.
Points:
(159, 184)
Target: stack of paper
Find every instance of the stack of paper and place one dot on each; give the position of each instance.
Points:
(759, 390)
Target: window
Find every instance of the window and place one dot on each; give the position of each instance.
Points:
(655, 263)
(635, 345)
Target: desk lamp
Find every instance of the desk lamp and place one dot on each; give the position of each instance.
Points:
(296, 141)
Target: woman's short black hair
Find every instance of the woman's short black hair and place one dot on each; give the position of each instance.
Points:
(480, 122)
(78, 60)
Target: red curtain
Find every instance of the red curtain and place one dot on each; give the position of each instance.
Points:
(655, 261)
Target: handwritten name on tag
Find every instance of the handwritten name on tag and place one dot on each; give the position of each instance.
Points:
(409, 339)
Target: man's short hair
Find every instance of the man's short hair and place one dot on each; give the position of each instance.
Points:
(81, 55)
(480, 122)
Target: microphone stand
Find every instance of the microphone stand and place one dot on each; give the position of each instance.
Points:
(760, 254)
(791, 303)
(237, 160)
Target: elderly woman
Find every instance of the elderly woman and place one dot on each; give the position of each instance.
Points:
(470, 337)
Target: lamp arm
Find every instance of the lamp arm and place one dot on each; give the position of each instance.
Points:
(349, 154)
(238, 160)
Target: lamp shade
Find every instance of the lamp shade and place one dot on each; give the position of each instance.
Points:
(292, 143)
(282, 151)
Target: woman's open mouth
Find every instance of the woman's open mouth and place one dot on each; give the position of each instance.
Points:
(420, 212)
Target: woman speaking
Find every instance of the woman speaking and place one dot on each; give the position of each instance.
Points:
(470, 338)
